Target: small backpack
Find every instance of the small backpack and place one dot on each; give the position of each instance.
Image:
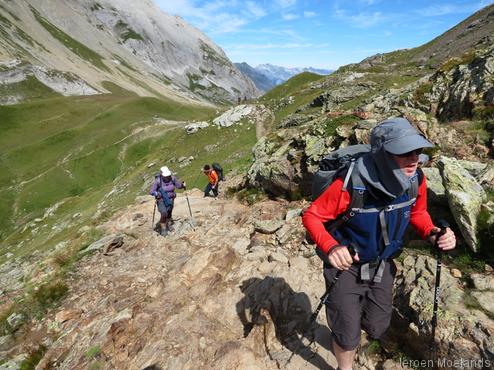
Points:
(164, 195)
(219, 170)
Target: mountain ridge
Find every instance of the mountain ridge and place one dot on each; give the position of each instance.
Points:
(266, 76)
(141, 49)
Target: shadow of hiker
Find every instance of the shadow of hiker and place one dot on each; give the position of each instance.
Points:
(272, 299)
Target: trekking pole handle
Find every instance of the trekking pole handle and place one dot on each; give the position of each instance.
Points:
(443, 225)
(352, 251)
(325, 296)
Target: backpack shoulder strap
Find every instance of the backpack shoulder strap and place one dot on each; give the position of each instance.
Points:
(416, 181)
(358, 191)
(357, 196)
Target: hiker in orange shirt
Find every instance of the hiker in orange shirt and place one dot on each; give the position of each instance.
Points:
(213, 181)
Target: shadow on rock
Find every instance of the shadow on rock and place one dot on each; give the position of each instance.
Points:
(271, 302)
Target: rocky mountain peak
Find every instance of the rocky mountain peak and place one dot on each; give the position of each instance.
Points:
(133, 45)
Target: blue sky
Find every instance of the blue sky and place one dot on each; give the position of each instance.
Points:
(319, 33)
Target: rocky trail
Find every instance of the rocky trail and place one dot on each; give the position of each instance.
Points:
(213, 294)
(232, 287)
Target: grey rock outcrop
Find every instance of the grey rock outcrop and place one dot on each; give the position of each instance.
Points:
(462, 333)
(284, 164)
(465, 197)
(233, 115)
(435, 188)
(192, 128)
(466, 87)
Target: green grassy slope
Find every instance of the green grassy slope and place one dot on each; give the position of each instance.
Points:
(61, 147)
(298, 88)
(89, 156)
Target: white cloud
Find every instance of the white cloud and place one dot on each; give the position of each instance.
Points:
(290, 45)
(177, 7)
(445, 9)
(361, 20)
(289, 16)
(255, 9)
(215, 17)
(309, 14)
(369, 2)
(286, 3)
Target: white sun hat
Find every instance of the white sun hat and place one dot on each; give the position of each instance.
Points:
(165, 171)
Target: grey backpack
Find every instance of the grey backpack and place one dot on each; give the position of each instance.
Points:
(334, 163)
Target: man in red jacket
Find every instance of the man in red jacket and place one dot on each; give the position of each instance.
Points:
(362, 296)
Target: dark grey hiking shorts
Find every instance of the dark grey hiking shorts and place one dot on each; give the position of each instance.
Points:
(164, 210)
(354, 305)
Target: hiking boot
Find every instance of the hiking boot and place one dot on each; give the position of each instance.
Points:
(164, 232)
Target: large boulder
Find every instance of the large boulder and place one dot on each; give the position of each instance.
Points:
(285, 163)
(233, 116)
(435, 189)
(465, 197)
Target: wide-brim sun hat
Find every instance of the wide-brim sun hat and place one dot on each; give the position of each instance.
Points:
(397, 136)
(165, 171)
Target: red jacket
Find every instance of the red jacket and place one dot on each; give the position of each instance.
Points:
(334, 201)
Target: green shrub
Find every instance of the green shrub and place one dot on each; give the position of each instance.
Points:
(374, 347)
(33, 359)
(251, 195)
(483, 112)
(420, 93)
(485, 235)
(466, 58)
(331, 124)
(46, 297)
(126, 32)
(92, 352)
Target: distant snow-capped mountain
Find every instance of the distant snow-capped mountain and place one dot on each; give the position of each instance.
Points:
(267, 76)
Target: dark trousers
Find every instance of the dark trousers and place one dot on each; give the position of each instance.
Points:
(354, 305)
(208, 188)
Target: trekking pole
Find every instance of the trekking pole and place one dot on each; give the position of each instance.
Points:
(437, 289)
(188, 203)
(322, 301)
(154, 213)
(190, 212)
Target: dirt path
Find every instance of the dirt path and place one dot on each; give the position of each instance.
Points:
(262, 117)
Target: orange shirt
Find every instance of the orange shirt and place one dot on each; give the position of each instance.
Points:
(213, 177)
